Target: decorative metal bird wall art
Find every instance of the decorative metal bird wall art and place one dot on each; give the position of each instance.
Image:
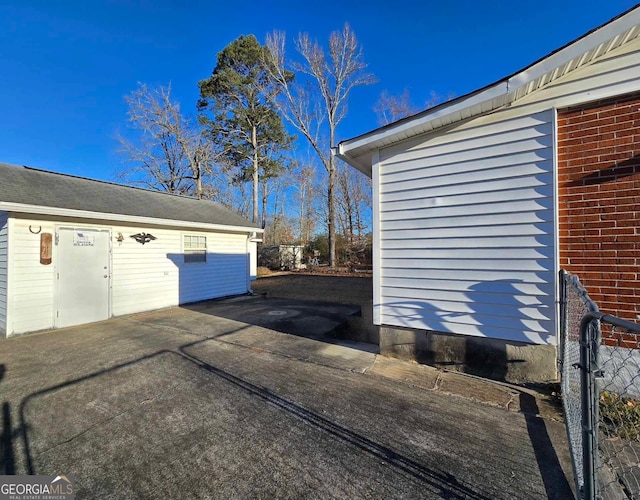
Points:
(143, 237)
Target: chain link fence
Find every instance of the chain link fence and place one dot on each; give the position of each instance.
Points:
(600, 370)
(575, 305)
(618, 391)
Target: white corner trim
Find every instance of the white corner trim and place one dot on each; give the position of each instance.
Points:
(375, 219)
(556, 224)
(9, 305)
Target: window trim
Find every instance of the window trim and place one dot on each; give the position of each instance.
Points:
(189, 251)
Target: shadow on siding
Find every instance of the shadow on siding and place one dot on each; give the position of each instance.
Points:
(222, 275)
(495, 309)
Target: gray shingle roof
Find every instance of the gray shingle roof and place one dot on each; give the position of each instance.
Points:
(49, 189)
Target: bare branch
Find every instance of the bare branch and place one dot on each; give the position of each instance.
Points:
(390, 108)
(316, 101)
(170, 153)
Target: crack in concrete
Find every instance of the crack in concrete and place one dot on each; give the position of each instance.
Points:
(436, 384)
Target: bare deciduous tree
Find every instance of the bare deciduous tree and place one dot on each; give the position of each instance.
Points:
(354, 194)
(305, 182)
(170, 152)
(315, 102)
(390, 108)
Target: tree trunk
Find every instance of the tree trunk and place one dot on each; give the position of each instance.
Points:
(198, 174)
(331, 223)
(254, 144)
(348, 206)
(301, 220)
(275, 239)
(264, 203)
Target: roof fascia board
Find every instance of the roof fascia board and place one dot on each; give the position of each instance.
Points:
(576, 49)
(85, 214)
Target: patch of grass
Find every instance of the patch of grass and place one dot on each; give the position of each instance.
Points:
(264, 271)
(620, 416)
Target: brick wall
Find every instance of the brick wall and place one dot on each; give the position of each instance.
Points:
(599, 206)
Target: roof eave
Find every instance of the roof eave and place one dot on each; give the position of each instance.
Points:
(85, 214)
(361, 163)
(357, 151)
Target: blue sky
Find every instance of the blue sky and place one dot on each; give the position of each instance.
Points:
(66, 65)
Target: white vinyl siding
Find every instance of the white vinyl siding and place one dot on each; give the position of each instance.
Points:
(4, 250)
(225, 272)
(466, 231)
(31, 284)
(467, 222)
(143, 277)
(155, 275)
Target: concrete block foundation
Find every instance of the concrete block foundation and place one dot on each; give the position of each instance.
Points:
(515, 362)
(507, 361)
(360, 327)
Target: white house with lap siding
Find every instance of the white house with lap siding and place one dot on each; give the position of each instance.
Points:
(467, 203)
(75, 250)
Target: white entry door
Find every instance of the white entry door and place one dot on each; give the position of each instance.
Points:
(83, 276)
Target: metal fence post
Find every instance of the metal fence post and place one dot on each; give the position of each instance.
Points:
(588, 350)
(564, 320)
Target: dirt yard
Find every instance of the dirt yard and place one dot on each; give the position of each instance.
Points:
(340, 289)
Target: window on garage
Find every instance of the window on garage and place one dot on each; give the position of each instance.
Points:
(195, 249)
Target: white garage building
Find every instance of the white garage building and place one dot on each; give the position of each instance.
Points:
(76, 250)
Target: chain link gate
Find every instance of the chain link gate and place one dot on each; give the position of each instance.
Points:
(600, 369)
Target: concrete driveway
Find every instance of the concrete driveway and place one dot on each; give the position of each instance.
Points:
(195, 403)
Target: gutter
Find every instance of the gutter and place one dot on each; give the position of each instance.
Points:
(85, 214)
(251, 238)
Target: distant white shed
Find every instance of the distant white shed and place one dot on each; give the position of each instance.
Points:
(285, 257)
